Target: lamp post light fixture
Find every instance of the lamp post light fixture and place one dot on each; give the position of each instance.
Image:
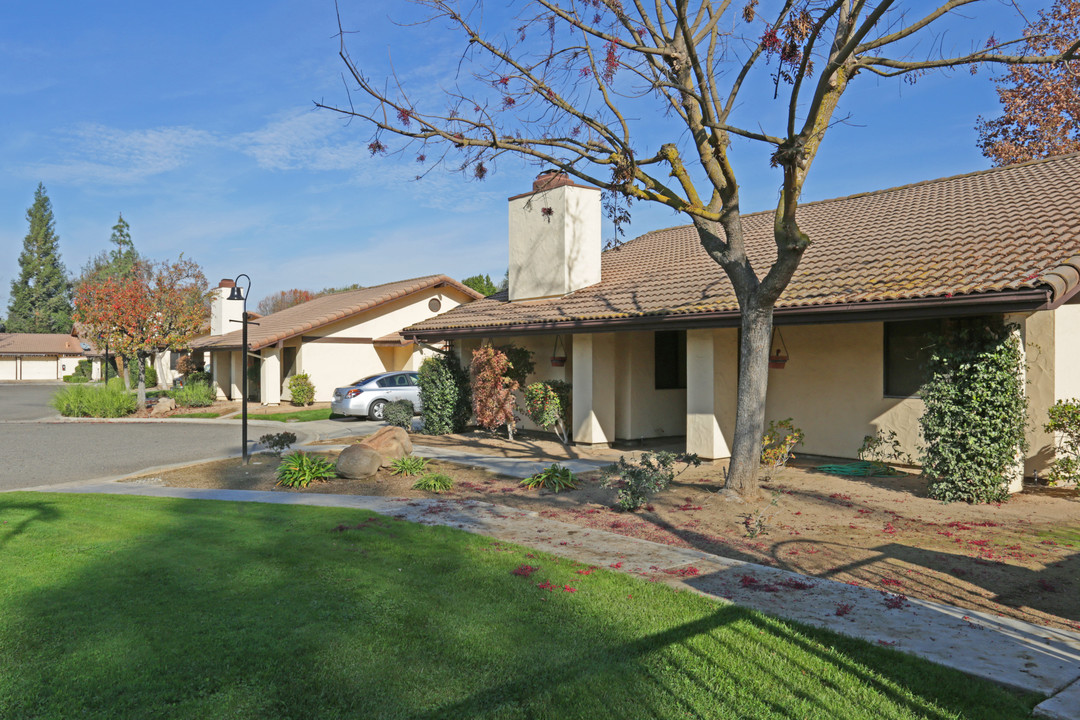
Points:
(236, 294)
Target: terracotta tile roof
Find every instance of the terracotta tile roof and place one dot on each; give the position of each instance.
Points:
(322, 311)
(39, 344)
(1015, 228)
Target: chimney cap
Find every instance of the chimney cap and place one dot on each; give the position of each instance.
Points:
(227, 283)
(550, 179)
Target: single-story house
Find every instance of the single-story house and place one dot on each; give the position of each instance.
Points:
(649, 330)
(39, 356)
(336, 339)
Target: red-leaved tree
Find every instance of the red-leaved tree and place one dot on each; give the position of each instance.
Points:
(492, 391)
(1040, 103)
(284, 299)
(160, 306)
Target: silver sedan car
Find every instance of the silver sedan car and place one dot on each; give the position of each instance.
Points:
(369, 396)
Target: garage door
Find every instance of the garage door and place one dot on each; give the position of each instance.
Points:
(38, 368)
(7, 368)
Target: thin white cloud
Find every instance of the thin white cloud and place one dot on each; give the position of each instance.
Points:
(100, 154)
(305, 140)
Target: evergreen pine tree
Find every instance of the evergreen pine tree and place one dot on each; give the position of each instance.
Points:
(121, 261)
(41, 294)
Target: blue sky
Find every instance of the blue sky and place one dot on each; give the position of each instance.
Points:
(196, 121)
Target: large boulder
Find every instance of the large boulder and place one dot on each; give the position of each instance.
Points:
(163, 407)
(390, 442)
(358, 462)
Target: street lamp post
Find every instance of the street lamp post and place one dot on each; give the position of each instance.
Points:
(236, 294)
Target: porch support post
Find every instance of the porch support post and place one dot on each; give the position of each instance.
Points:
(219, 367)
(704, 435)
(270, 380)
(594, 388)
(236, 359)
(1016, 472)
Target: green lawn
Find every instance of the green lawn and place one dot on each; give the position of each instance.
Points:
(127, 607)
(298, 415)
(197, 415)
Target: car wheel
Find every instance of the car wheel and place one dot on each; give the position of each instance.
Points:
(377, 411)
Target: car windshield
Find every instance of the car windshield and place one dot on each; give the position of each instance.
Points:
(365, 381)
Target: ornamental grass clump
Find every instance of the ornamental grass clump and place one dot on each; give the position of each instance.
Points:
(301, 469)
(976, 414)
(434, 482)
(99, 401)
(194, 394)
(408, 465)
(554, 478)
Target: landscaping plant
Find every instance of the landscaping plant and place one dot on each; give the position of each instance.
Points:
(976, 414)
(445, 395)
(636, 481)
(400, 414)
(300, 469)
(301, 390)
(521, 364)
(777, 444)
(199, 376)
(277, 443)
(493, 390)
(548, 405)
(434, 482)
(1065, 424)
(883, 448)
(194, 395)
(554, 478)
(101, 401)
(408, 465)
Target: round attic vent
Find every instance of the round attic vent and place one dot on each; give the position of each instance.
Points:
(434, 305)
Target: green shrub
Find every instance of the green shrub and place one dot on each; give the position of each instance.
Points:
(301, 389)
(883, 448)
(548, 405)
(300, 469)
(194, 395)
(408, 465)
(1065, 424)
(521, 363)
(635, 481)
(399, 414)
(95, 400)
(76, 379)
(277, 443)
(554, 478)
(133, 373)
(976, 414)
(82, 373)
(445, 397)
(198, 376)
(434, 482)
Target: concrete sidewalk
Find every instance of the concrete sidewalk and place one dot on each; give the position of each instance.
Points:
(1006, 651)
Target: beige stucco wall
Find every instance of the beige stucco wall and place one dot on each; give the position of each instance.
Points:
(1067, 352)
(557, 253)
(331, 365)
(833, 388)
(642, 410)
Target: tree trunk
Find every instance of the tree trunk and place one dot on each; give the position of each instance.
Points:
(140, 360)
(750, 411)
(122, 369)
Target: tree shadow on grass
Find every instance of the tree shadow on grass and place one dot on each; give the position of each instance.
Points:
(205, 609)
(17, 517)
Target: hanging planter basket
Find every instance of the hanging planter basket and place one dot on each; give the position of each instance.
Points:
(779, 357)
(558, 360)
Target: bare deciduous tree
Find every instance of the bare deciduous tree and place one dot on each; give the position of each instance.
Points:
(642, 100)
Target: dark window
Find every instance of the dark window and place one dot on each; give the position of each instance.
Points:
(388, 381)
(907, 351)
(669, 353)
(412, 378)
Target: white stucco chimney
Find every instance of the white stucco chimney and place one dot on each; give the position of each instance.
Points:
(554, 238)
(223, 310)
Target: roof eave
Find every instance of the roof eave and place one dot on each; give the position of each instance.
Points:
(1028, 300)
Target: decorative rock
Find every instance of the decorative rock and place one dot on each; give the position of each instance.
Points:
(358, 462)
(390, 442)
(163, 406)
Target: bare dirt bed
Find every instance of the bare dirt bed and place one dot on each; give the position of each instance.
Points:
(1019, 559)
